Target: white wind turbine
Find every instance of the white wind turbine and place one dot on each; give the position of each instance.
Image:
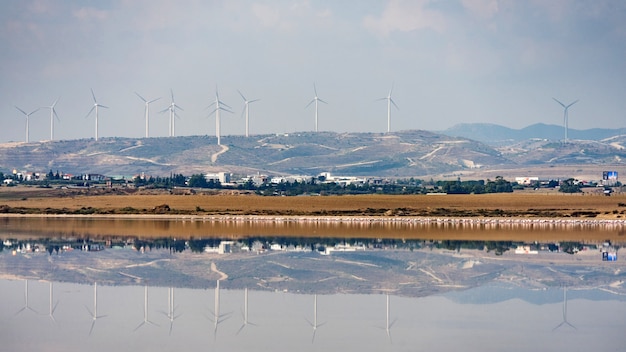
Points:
(565, 117)
(314, 324)
(26, 306)
(52, 307)
(388, 324)
(95, 107)
(145, 311)
(27, 120)
(53, 114)
(172, 109)
(389, 102)
(94, 314)
(147, 111)
(246, 322)
(315, 100)
(247, 111)
(217, 317)
(564, 322)
(171, 307)
(219, 106)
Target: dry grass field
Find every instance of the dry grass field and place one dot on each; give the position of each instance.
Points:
(524, 204)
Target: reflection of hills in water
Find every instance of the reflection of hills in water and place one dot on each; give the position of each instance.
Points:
(320, 265)
(501, 292)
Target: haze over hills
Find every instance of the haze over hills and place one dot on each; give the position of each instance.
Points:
(493, 134)
(398, 154)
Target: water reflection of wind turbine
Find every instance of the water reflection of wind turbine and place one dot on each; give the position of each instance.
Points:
(388, 324)
(171, 307)
(94, 314)
(145, 311)
(217, 318)
(52, 308)
(314, 324)
(26, 306)
(564, 322)
(245, 312)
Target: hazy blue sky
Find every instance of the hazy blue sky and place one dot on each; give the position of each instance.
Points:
(497, 61)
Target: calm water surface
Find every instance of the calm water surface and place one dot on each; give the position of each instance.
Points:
(385, 297)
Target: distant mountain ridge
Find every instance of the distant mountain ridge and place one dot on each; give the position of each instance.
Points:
(499, 135)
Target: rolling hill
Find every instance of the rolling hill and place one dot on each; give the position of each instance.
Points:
(399, 154)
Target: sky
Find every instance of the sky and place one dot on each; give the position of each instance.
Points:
(449, 62)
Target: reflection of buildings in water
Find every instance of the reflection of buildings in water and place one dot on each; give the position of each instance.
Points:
(145, 311)
(94, 315)
(564, 322)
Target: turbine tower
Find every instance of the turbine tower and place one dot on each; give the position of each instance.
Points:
(314, 324)
(246, 103)
(147, 111)
(145, 311)
(52, 307)
(94, 314)
(246, 322)
(217, 318)
(389, 102)
(315, 100)
(172, 109)
(26, 306)
(219, 106)
(388, 324)
(27, 120)
(564, 322)
(565, 117)
(171, 307)
(53, 114)
(95, 106)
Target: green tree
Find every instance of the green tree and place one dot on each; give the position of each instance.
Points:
(198, 180)
(570, 186)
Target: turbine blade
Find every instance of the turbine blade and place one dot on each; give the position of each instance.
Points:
(242, 97)
(394, 103)
(315, 89)
(142, 98)
(55, 102)
(89, 113)
(322, 101)
(55, 114)
(93, 96)
(563, 105)
(153, 100)
(252, 101)
(102, 106)
(311, 102)
(572, 104)
(241, 328)
(92, 325)
(140, 325)
(22, 111)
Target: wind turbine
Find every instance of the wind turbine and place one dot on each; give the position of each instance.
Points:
(388, 324)
(245, 311)
(217, 318)
(217, 110)
(95, 106)
(52, 308)
(565, 117)
(172, 109)
(171, 308)
(147, 111)
(314, 324)
(564, 322)
(247, 110)
(145, 311)
(53, 114)
(27, 120)
(389, 102)
(315, 100)
(26, 306)
(94, 315)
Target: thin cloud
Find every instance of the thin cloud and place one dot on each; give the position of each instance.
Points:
(406, 16)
